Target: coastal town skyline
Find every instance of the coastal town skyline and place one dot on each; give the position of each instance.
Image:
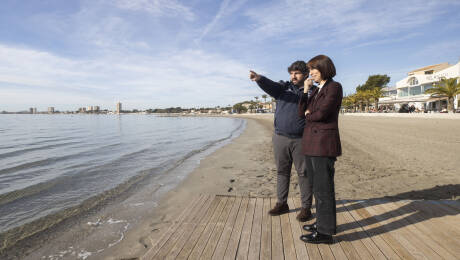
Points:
(175, 53)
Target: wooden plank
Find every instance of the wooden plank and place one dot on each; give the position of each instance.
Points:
(394, 226)
(219, 252)
(232, 247)
(277, 238)
(425, 235)
(353, 238)
(296, 227)
(216, 233)
(204, 237)
(451, 216)
(369, 226)
(190, 244)
(430, 210)
(243, 247)
(324, 249)
(455, 204)
(189, 229)
(336, 247)
(435, 228)
(288, 241)
(254, 244)
(266, 237)
(181, 231)
(312, 249)
(165, 236)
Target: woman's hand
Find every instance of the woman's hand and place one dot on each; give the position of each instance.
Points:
(307, 85)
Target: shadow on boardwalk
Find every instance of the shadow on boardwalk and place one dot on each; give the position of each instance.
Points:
(234, 227)
(402, 210)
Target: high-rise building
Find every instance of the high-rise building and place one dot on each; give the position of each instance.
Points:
(31, 110)
(50, 110)
(119, 108)
(34, 110)
(96, 108)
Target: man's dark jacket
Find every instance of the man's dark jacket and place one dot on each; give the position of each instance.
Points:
(287, 96)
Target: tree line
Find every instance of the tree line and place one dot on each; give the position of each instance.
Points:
(372, 90)
(367, 93)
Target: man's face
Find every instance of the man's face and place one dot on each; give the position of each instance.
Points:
(297, 77)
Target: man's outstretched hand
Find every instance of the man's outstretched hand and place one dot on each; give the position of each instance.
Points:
(253, 76)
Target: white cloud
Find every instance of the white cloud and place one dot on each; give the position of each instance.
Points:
(441, 51)
(183, 78)
(225, 9)
(168, 8)
(344, 21)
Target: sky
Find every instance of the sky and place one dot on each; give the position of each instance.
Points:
(170, 53)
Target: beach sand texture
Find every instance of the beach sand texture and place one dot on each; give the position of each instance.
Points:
(383, 157)
(408, 158)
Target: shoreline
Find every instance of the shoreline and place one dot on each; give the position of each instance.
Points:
(222, 172)
(377, 163)
(84, 219)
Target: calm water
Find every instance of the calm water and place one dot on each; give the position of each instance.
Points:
(52, 162)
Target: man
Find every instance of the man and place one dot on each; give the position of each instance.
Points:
(287, 140)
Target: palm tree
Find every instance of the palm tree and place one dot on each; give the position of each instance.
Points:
(361, 99)
(354, 100)
(375, 94)
(446, 88)
(265, 98)
(347, 102)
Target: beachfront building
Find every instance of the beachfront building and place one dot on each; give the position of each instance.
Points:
(119, 108)
(410, 91)
(50, 110)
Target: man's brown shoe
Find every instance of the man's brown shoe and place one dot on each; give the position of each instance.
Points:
(280, 208)
(304, 215)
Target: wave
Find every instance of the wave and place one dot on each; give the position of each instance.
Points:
(24, 151)
(51, 160)
(12, 236)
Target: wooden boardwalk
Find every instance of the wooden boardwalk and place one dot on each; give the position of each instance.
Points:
(229, 227)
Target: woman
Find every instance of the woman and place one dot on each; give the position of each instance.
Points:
(321, 144)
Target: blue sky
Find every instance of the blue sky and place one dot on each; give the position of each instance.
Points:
(162, 53)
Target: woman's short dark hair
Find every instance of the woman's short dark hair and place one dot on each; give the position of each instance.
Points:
(299, 65)
(324, 64)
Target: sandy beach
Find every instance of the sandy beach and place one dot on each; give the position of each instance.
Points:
(408, 158)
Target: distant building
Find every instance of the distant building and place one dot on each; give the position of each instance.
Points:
(389, 91)
(96, 108)
(34, 110)
(31, 110)
(119, 108)
(411, 90)
(82, 110)
(50, 110)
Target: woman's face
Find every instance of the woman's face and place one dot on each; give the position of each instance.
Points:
(315, 75)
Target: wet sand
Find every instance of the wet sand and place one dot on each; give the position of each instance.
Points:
(408, 158)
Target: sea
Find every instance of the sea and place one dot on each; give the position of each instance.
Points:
(56, 166)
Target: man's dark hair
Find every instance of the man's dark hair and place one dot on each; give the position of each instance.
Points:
(324, 64)
(299, 65)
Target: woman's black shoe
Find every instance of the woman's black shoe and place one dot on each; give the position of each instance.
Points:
(311, 228)
(317, 238)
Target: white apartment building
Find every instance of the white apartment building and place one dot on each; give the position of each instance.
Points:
(411, 90)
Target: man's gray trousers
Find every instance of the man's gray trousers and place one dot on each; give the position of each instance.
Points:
(287, 151)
